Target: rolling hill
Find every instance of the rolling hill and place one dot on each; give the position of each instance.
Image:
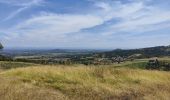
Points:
(158, 51)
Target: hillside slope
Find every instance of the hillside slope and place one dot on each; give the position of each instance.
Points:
(83, 83)
(145, 52)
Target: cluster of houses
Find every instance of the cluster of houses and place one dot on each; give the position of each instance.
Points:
(103, 60)
(117, 59)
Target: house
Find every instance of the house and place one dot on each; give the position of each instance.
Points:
(118, 59)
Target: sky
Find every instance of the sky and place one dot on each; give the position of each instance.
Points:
(84, 24)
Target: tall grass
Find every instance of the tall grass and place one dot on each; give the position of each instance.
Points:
(92, 83)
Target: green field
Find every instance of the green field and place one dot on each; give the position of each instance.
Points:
(125, 81)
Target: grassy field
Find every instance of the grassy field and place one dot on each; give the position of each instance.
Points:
(4, 65)
(79, 82)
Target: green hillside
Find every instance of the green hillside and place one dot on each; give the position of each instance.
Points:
(158, 51)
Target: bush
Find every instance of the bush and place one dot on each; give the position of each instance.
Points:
(162, 65)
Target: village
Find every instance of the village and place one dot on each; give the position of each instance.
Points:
(89, 58)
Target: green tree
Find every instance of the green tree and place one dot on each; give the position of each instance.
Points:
(1, 46)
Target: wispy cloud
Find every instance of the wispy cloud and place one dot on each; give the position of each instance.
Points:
(20, 2)
(52, 28)
(25, 4)
(58, 24)
(133, 17)
(107, 23)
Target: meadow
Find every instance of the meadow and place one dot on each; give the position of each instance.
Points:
(80, 82)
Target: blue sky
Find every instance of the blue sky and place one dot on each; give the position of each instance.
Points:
(95, 24)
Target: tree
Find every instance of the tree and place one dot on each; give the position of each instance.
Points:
(1, 46)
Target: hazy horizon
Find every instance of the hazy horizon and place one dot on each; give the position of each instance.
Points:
(70, 48)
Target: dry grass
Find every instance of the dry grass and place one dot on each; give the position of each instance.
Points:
(14, 89)
(85, 83)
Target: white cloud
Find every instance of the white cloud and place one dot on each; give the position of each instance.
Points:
(52, 28)
(133, 17)
(58, 24)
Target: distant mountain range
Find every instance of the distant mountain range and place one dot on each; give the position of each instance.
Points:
(143, 52)
(157, 51)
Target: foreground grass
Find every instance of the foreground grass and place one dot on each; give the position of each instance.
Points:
(82, 82)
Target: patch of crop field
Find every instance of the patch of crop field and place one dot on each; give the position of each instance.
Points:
(165, 59)
(136, 65)
(81, 82)
(131, 64)
(159, 58)
(8, 65)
